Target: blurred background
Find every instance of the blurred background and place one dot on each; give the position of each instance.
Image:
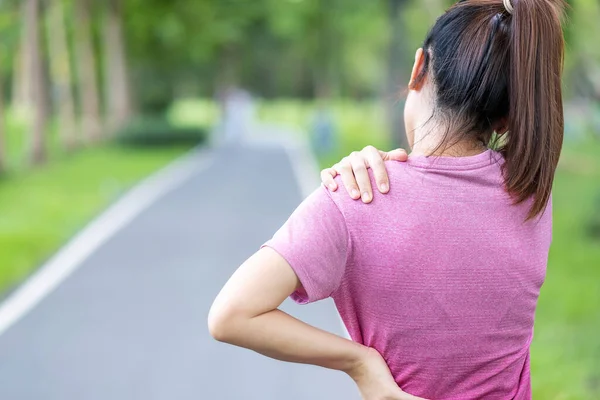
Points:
(97, 94)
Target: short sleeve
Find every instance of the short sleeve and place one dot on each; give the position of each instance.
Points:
(314, 241)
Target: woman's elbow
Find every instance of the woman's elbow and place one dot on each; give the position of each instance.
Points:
(221, 325)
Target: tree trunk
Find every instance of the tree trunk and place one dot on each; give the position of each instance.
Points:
(396, 77)
(60, 70)
(86, 65)
(117, 79)
(20, 88)
(35, 74)
(325, 50)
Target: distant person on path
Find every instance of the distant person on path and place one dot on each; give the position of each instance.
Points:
(237, 115)
(323, 131)
(437, 281)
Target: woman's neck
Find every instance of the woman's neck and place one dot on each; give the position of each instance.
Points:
(427, 142)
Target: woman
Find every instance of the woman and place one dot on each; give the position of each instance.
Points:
(437, 281)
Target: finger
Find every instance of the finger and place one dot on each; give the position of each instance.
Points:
(344, 168)
(327, 176)
(394, 155)
(379, 170)
(361, 175)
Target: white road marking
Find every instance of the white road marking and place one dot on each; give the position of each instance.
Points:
(50, 275)
(70, 257)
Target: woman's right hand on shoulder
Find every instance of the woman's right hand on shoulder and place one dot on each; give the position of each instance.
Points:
(354, 172)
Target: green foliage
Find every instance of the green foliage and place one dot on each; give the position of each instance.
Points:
(582, 61)
(9, 35)
(283, 48)
(152, 131)
(198, 47)
(280, 48)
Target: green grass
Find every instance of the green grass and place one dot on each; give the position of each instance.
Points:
(42, 208)
(566, 345)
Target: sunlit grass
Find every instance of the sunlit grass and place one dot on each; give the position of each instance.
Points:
(566, 345)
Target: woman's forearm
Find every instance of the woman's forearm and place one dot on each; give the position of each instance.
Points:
(279, 335)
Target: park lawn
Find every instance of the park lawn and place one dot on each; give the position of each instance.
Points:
(566, 344)
(42, 208)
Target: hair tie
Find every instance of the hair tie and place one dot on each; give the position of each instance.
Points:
(508, 5)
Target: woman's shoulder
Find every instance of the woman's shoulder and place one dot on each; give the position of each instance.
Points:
(401, 178)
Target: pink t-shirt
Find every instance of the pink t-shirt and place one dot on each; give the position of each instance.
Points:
(441, 275)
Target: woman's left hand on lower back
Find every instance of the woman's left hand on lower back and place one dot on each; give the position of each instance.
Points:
(375, 381)
(355, 177)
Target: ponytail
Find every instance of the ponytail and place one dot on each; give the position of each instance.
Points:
(535, 117)
(499, 63)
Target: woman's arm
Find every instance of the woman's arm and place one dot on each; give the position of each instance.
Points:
(355, 177)
(245, 313)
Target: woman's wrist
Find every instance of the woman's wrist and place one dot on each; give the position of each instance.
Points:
(357, 361)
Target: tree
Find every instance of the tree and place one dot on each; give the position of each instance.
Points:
(61, 75)
(117, 80)
(88, 82)
(396, 72)
(20, 90)
(324, 51)
(34, 71)
(583, 53)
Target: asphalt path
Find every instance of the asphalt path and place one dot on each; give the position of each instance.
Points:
(130, 323)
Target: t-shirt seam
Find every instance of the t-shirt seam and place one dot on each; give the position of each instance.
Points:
(445, 167)
(419, 163)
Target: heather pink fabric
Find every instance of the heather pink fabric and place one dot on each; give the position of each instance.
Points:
(441, 275)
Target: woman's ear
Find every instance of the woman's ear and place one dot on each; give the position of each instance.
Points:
(416, 77)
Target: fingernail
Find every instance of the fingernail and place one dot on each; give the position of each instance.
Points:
(355, 193)
(331, 186)
(384, 187)
(366, 196)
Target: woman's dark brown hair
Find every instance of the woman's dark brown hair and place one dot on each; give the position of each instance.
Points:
(493, 69)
